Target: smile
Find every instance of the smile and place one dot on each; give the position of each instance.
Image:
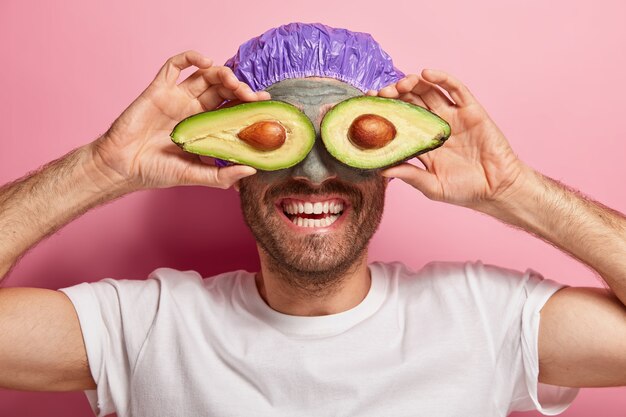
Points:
(314, 214)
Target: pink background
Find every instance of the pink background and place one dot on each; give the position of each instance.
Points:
(550, 74)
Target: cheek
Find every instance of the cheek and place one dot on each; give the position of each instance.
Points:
(265, 178)
(357, 176)
(374, 193)
(250, 191)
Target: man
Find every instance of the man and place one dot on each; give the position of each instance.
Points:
(316, 331)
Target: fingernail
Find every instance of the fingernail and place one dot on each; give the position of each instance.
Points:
(247, 171)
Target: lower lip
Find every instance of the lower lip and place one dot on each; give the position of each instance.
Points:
(307, 230)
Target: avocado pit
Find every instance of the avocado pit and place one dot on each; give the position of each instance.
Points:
(265, 135)
(371, 131)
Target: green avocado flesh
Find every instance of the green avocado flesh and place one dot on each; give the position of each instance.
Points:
(417, 131)
(214, 133)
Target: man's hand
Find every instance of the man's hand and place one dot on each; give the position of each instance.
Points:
(41, 346)
(137, 148)
(582, 334)
(476, 165)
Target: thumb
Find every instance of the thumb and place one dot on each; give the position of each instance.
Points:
(227, 176)
(218, 177)
(417, 177)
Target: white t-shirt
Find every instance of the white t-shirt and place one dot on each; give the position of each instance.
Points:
(452, 339)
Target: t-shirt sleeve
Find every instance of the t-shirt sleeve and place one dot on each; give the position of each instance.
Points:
(516, 299)
(548, 399)
(115, 319)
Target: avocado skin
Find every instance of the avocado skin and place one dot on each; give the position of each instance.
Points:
(395, 110)
(214, 133)
(398, 162)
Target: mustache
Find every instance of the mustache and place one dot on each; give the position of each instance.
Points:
(296, 187)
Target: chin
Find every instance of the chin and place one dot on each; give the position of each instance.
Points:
(313, 255)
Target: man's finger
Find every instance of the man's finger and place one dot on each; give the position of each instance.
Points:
(170, 71)
(430, 94)
(389, 91)
(404, 88)
(407, 84)
(413, 99)
(245, 93)
(457, 90)
(202, 79)
(218, 94)
(200, 173)
(419, 178)
(195, 84)
(226, 77)
(225, 177)
(211, 98)
(221, 75)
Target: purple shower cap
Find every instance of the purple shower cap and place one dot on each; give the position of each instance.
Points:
(299, 50)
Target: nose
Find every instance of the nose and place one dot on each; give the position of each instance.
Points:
(317, 167)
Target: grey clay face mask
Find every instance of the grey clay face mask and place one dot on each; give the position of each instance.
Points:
(315, 97)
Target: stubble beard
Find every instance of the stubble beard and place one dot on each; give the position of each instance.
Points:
(314, 264)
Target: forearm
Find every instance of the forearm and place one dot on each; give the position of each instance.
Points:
(586, 229)
(39, 204)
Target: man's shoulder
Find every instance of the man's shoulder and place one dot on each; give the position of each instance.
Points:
(161, 282)
(442, 269)
(467, 288)
(181, 280)
(464, 276)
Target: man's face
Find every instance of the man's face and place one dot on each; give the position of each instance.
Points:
(318, 245)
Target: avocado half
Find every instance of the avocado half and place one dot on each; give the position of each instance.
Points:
(417, 131)
(214, 133)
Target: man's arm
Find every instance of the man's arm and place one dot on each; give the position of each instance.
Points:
(41, 345)
(38, 205)
(582, 335)
(582, 338)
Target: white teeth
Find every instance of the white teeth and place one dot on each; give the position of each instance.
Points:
(328, 207)
(336, 208)
(323, 222)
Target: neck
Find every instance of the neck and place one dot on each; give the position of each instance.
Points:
(287, 294)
